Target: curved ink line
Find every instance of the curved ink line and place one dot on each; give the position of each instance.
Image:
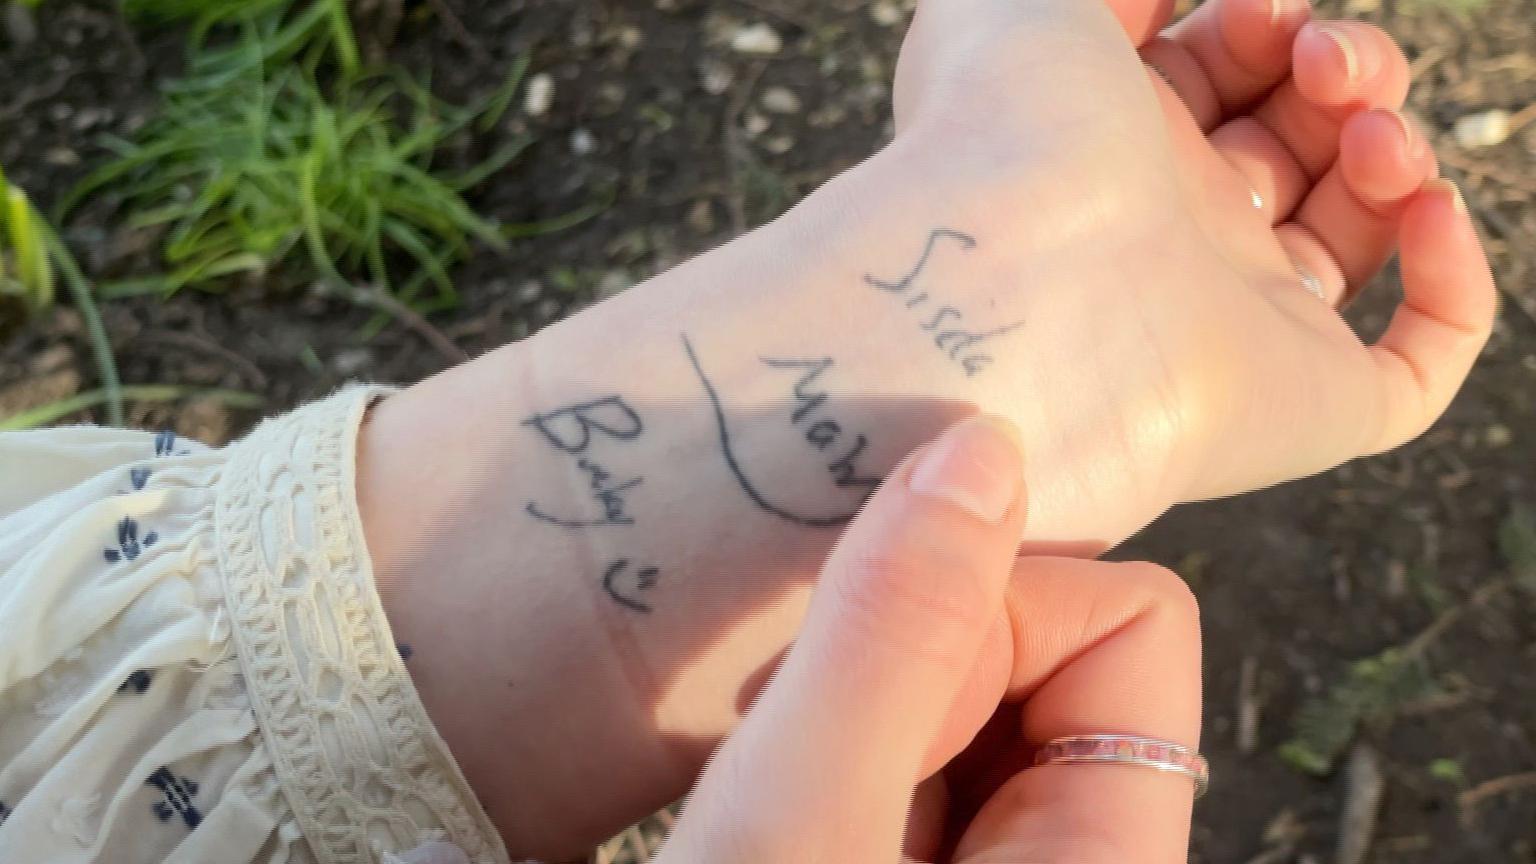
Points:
(534, 511)
(735, 465)
(967, 242)
(613, 571)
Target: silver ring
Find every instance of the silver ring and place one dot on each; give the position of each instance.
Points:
(1133, 750)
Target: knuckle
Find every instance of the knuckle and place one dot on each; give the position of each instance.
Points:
(1166, 594)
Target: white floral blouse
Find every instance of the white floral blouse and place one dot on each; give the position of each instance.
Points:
(194, 665)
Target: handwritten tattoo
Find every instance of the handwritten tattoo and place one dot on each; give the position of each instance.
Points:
(575, 431)
(625, 585)
(961, 344)
(572, 430)
(822, 435)
(608, 495)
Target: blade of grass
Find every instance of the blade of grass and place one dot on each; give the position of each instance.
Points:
(25, 234)
(496, 107)
(320, 173)
(101, 346)
(499, 160)
(559, 223)
(46, 414)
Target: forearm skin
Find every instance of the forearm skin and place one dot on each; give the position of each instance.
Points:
(599, 540)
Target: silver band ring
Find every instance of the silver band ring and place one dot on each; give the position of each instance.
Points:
(1133, 750)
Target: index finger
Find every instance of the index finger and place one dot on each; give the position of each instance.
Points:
(1100, 649)
(1445, 318)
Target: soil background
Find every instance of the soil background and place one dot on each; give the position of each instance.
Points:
(693, 143)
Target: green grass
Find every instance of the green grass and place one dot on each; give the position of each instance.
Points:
(310, 34)
(27, 275)
(1377, 688)
(1517, 545)
(276, 157)
(55, 411)
(252, 168)
(1372, 693)
(32, 260)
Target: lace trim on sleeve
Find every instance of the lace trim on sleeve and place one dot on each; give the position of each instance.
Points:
(360, 762)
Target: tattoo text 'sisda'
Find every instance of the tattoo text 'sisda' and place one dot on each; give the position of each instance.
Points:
(953, 335)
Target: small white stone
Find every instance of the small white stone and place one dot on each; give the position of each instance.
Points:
(90, 118)
(1498, 436)
(1485, 129)
(583, 142)
(778, 145)
(716, 77)
(827, 116)
(755, 124)
(885, 13)
(61, 156)
(540, 95)
(780, 100)
(51, 360)
(759, 39)
(613, 282)
(352, 361)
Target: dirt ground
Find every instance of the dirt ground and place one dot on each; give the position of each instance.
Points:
(694, 142)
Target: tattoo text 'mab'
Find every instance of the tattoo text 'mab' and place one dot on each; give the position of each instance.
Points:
(822, 430)
(577, 431)
(826, 436)
(952, 335)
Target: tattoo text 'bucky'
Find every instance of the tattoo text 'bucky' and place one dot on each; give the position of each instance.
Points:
(575, 431)
(960, 343)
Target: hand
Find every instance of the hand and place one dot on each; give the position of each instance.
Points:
(907, 650)
(1163, 310)
(1098, 275)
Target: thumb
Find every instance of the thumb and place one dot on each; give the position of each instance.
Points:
(824, 765)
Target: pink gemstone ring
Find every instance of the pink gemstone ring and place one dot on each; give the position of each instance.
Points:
(1133, 750)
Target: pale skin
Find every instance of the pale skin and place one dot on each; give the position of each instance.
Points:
(870, 699)
(600, 540)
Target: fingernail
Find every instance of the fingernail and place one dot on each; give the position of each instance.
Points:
(1457, 198)
(1411, 139)
(976, 465)
(1279, 10)
(1346, 46)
